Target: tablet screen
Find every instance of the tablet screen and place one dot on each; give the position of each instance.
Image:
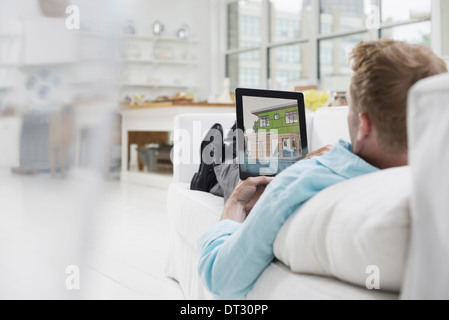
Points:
(272, 132)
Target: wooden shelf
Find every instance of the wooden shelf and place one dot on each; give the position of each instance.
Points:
(159, 61)
(161, 38)
(175, 39)
(155, 85)
(149, 61)
(175, 104)
(136, 37)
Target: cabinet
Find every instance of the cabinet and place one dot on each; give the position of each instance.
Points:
(159, 119)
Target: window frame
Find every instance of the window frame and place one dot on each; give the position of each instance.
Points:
(289, 120)
(265, 120)
(314, 38)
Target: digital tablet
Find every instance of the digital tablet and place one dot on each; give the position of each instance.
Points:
(271, 133)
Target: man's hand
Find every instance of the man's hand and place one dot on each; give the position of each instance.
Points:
(319, 152)
(244, 198)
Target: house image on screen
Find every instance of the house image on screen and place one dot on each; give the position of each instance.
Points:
(265, 143)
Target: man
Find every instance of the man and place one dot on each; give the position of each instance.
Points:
(237, 250)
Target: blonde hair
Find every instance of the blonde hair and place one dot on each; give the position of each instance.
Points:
(384, 72)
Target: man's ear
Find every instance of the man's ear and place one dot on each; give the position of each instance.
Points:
(365, 127)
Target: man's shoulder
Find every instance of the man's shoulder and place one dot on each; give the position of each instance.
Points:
(344, 162)
(339, 161)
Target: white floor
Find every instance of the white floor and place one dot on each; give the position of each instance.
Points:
(115, 234)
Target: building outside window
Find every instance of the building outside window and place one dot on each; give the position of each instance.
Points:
(294, 43)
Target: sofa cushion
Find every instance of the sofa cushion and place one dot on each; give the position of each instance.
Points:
(277, 282)
(351, 226)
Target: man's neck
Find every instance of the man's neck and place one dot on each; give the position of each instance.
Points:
(388, 160)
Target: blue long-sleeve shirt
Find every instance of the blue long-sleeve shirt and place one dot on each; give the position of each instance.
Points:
(234, 255)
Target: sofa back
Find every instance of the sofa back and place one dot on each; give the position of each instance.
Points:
(326, 126)
(189, 131)
(427, 275)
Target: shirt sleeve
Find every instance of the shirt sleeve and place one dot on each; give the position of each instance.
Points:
(234, 255)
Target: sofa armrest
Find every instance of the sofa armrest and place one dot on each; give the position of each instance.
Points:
(189, 131)
(428, 131)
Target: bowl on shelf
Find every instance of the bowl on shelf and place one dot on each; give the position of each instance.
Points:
(53, 8)
(163, 53)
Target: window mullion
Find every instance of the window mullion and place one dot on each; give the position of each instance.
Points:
(314, 52)
(375, 34)
(264, 43)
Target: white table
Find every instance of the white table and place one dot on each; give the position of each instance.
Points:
(157, 119)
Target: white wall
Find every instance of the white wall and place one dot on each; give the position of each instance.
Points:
(200, 15)
(21, 9)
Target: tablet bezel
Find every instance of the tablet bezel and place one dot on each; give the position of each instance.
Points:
(289, 95)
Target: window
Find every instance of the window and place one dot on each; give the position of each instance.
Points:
(244, 24)
(264, 122)
(260, 149)
(334, 55)
(276, 117)
(249, 77)
(290, 20)
(291, 117)
(248, 148)
(275, 44)
(244, 69)
(249, 25)
(401, 11)
(288, 65)
(418, 33)
(342, 15)
(294, 145)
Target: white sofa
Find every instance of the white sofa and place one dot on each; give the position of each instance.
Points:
(191, 213)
